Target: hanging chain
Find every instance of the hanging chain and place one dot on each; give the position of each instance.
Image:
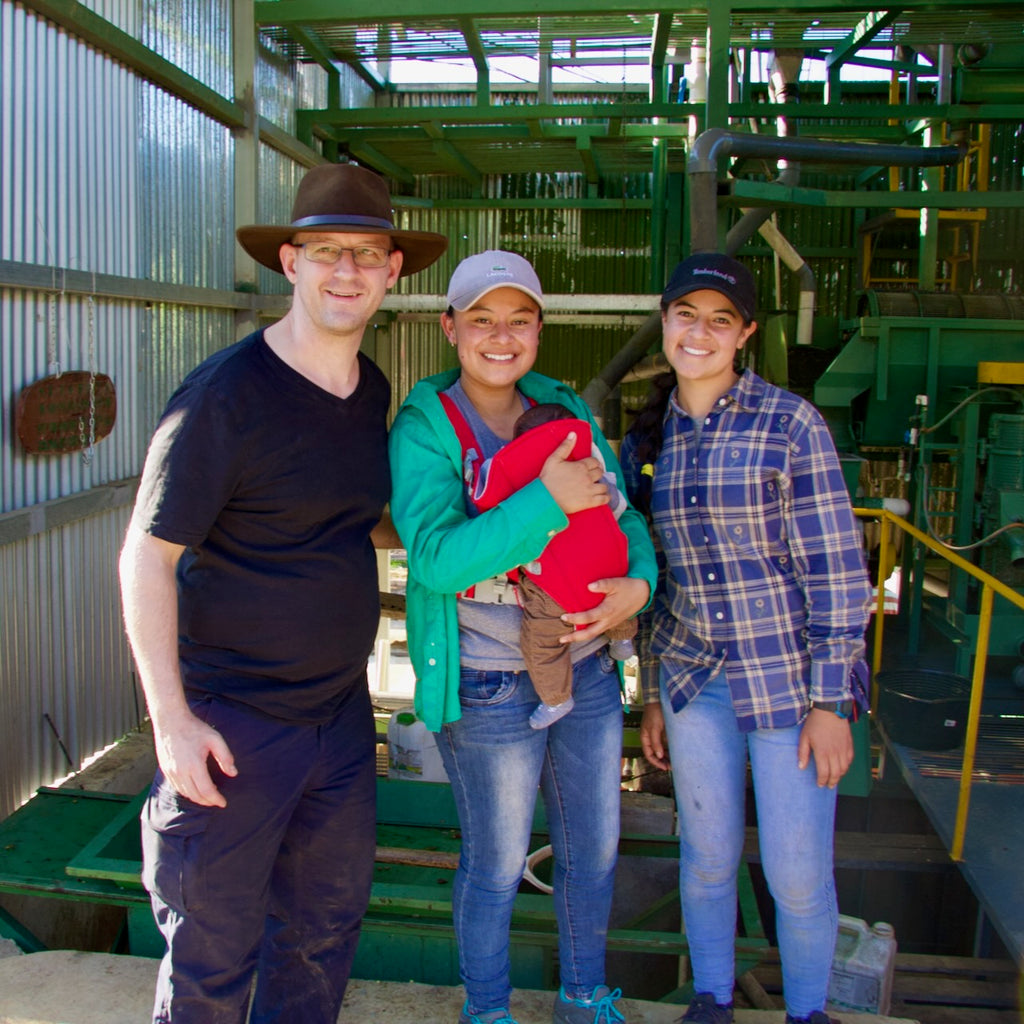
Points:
(89, 450)
(52, 358)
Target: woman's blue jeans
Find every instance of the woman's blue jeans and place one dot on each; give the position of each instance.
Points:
(495, 762)
(795, 827)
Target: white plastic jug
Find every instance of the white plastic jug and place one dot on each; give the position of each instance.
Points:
(412, 750)
(862, 968)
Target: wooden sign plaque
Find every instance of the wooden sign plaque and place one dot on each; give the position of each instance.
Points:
(52, 414)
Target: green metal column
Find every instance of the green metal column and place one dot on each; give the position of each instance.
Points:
(717, 105)
(246, 151)
(716, 108)
(331, 148)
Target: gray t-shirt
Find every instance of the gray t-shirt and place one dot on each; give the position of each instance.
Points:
(489, 633)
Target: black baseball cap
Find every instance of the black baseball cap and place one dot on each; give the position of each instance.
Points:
(718, 272)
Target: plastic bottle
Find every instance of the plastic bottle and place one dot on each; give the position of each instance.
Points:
(412, 750)
(862, 968)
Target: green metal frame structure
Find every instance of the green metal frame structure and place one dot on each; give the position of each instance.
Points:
(959, 62)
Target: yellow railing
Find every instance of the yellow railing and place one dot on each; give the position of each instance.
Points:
(990, 587)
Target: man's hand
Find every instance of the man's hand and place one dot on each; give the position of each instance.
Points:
(183, 752)
(624, 596)
(653, 739)
(828, 738)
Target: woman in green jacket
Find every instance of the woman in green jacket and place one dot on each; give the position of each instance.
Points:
(471, 683)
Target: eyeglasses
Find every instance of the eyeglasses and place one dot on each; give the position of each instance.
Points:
(328, 253)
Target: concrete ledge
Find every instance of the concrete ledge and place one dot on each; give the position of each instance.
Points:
(69, 987)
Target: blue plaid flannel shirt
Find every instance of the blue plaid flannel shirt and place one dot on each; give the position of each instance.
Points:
(763, 573)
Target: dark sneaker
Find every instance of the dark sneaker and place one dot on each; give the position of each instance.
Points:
(705, 1009)
(818, 1017)
(500, 1016)
(598, 1009)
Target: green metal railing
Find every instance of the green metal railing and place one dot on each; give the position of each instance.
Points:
(990, 587)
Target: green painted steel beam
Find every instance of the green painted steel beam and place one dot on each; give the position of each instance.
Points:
(881, 112)
(458, 164)
(371, 157)
(568, 203)
(917, 115)
(106, 37)
(753, 193)
(288, 144)
(869, 26)
(659, 48)
(586, 155)
(475, 48)
(328, 59)
(719, 65)
(312, 12)
(11, 928)
(511, 113)
(889, 65)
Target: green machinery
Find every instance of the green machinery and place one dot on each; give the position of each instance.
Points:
(935, 383)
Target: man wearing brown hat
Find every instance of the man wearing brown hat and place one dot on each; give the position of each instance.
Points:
(251, 602)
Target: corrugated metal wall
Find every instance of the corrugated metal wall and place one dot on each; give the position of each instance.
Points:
(106, 174)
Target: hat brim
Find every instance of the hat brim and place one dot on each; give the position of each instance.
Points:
(419, 248)
(461, 303)
(668, 297)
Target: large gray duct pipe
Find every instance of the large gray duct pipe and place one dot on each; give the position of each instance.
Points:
(646, 335)
(718, 143)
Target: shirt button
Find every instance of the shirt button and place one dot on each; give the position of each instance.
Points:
(722, 401)
(694, 460)
(693, 499)
(551, 533)
(711, 575)
(707, 421)
(431, 661)
(719, 615)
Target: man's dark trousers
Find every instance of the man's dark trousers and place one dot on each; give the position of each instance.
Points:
(275, 883)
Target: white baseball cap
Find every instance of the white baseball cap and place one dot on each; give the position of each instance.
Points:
(477, 275)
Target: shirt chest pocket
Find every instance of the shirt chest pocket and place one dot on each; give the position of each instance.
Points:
(746, 492)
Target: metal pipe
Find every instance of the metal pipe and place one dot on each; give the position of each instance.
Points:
(595, 393)
(783, 88)
(716, 144)
(808, 286)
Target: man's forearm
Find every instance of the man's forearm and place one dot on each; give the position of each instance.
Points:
(150, 597)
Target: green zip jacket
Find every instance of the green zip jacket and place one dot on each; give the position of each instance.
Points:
(449, 551)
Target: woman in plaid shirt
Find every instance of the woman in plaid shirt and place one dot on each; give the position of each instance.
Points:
(753, 635)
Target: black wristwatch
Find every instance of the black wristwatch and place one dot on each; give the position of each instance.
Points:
(842, 708)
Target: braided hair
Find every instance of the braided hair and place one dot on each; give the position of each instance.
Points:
(646, 429)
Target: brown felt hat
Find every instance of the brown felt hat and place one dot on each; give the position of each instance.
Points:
(342, 197)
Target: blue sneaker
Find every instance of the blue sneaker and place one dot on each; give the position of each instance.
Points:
(500, 1016)
(705, 1009)
(598, 1009)
(547, 714)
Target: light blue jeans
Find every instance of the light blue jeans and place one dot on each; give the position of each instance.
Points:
(496, 762)
(795, 827)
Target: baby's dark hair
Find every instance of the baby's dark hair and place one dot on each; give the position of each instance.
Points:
(545, 412)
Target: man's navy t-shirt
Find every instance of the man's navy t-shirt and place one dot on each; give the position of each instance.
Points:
(273, 485)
